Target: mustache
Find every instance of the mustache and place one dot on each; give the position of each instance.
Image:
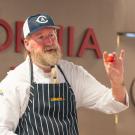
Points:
(49, 48)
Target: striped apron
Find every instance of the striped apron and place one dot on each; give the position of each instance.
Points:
(51, 110)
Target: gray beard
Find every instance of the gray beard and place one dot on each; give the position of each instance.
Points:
(47, 58)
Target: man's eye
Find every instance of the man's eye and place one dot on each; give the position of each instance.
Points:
(41, 37)
(51, 35)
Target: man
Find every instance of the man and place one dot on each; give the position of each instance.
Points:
(40, 96)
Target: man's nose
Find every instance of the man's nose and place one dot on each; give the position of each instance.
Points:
(48, 41)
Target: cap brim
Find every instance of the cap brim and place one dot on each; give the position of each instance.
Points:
(55, 27)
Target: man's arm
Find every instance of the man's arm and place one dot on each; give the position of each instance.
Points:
(8, 117)
(9, 106)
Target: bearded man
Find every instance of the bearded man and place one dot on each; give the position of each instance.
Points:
(41, 95)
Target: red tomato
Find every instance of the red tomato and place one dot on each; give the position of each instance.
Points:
(110, 58)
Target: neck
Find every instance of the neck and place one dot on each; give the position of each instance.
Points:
(45, 68)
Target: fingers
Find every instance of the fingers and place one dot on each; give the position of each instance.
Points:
(122, 54)
(115, 56)
(108, 57)
(105, 55)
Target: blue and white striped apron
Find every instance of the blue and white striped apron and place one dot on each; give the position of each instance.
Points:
(51, 110)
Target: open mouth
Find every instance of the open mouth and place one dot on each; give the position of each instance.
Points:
(50, 49)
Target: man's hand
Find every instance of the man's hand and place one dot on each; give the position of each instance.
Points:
(114, 66)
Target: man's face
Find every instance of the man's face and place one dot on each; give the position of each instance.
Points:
(44, 47)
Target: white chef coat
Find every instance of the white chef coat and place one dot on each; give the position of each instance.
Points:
(16, 87)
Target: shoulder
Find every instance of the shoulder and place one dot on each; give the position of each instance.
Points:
(75, 72)
(70, 67)
(16, 75)
(64, 64)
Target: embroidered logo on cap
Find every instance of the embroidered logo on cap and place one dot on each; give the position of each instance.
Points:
(42, 19)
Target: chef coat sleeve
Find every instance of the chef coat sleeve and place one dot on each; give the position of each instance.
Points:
(90, 93)
(10, 106)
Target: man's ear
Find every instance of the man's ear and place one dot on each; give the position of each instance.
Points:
(27, 45)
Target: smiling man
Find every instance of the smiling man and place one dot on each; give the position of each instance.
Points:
(41, 95)
(43, 47)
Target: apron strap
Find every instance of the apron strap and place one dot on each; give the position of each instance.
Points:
(31, 70)
(63, 75)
